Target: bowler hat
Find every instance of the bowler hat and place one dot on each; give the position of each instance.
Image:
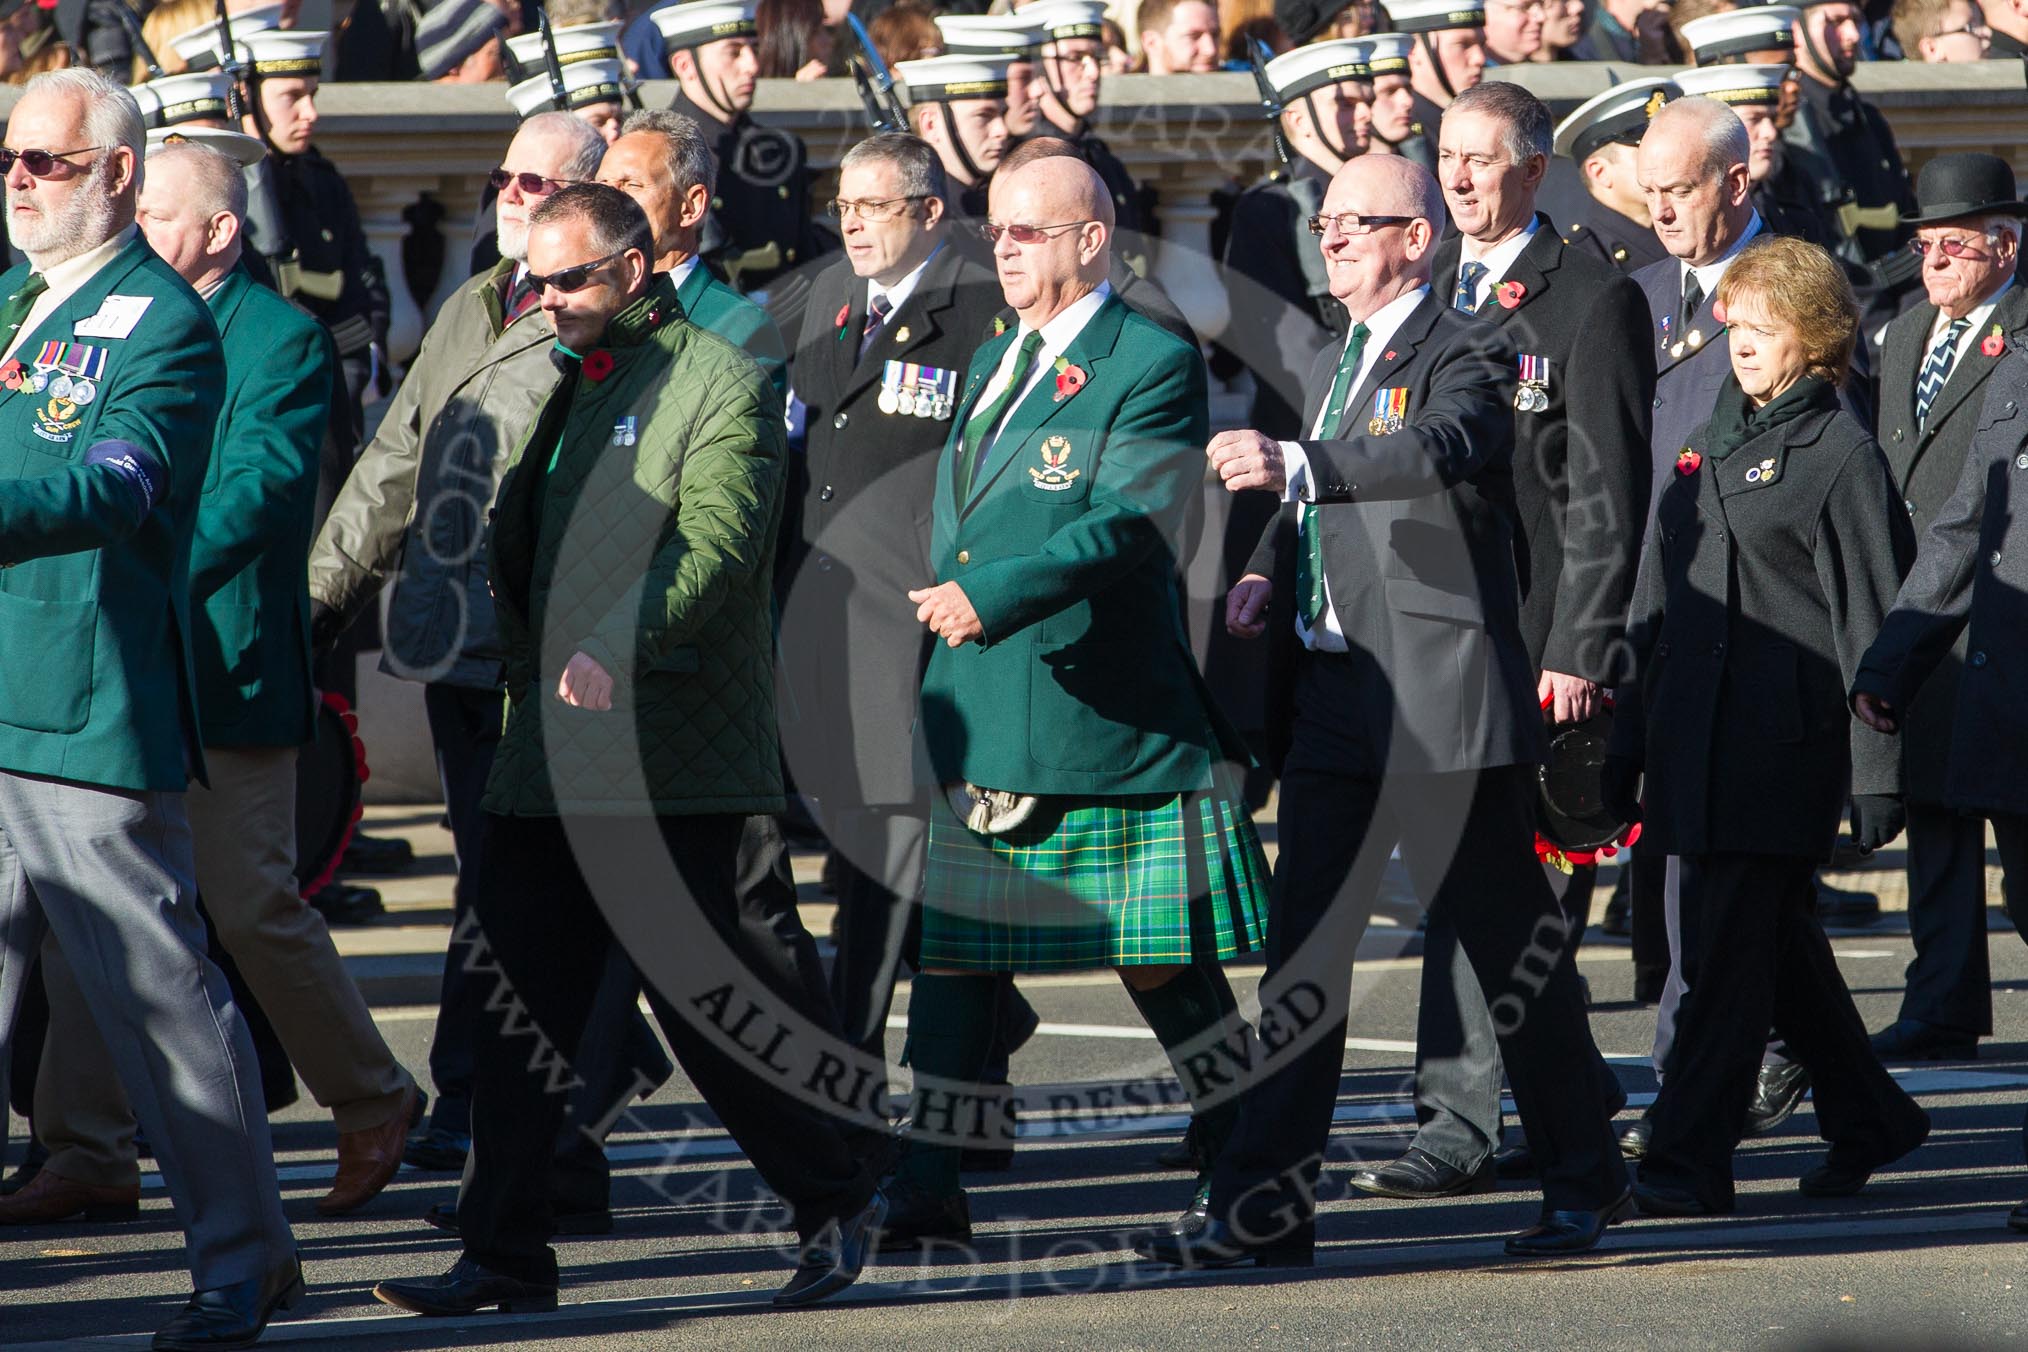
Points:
(1964, 184)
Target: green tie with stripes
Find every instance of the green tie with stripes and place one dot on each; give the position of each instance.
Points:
(987, 418)
(1310, 562)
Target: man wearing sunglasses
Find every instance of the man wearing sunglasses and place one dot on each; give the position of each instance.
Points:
(412, 515)
(1409, 718)
(1936, 364)
(111, 377)
(631, 561)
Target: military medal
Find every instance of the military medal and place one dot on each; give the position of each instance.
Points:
(60, 386)
(1763, 472)
(1389, 406)
(890, 381)
(1533, 394)
(82, 391)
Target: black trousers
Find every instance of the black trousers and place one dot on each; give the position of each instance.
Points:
(1755, 958)
(546, 932)
(1467, 839)
(879, 919)
(1950, 980)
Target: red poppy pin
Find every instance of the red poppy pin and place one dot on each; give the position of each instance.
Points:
(1069, 379)
(1510, 294)
(10, 375)
(1688, 461)
(598, 364)
(1994, 343)
(1387, 355)
(844, 313)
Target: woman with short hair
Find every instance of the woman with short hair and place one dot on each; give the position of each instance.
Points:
(1776, 550)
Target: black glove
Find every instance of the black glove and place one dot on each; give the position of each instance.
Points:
(1619, 788)
(1876, 819)
(327, 626)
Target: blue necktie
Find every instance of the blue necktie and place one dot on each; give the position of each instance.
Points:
(1467, 298)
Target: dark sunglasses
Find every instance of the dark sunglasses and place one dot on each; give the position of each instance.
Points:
(1027, 234)
(40, 163)
(532, 185)
(572, 279)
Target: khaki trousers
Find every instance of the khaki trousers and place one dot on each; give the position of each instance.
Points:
(244, 829)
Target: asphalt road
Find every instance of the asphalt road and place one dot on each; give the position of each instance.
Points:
(1921, 1259)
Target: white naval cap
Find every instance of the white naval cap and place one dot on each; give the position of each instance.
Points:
(580, 42)
(202, 46)
(1013, 35)
(1622, 113)
(1433, 16)
(182, 98)
(938, 78)
(1387, 53)
(601, 80)
(1294, 74)
(279, 51)
(1065, 20)
(700, 21)
(237, 146)
(1742, 82)
(1757, 28)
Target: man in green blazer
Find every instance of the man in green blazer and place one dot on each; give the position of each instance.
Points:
(250, 634)
(110, 381)
(1093, 819)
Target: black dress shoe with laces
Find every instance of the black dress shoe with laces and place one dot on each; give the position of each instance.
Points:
(1844, 1172)
(1566, 1232)
(1217, 1243)
(834, 1258)
(437, 1150)
(232, 1316)
(1914, 1040)
(916, 1216)
(1780, 1088)
(1192, 1217)
(467, 1289)
(1419, 1175)
(1515, 1162)
(1662, 1199)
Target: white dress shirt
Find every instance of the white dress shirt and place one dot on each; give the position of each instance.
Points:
(898, 294)
(65, 280)
(1710, 274)
(1497, 259)
(1381, 326)
(1975, 332)
(1057, 335)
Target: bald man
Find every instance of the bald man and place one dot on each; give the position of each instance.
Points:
(1388, 587)
(1086, 818)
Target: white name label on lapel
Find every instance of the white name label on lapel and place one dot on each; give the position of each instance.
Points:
(116, 317)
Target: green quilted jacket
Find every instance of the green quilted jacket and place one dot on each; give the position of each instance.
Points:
(637, 524)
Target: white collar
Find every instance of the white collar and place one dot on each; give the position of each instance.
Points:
(72, 273)
(1978, 314)
(681, 272)
(1382, 323)
(1710, 274)
(898, 294)
(1059, 332)
(1500, 257)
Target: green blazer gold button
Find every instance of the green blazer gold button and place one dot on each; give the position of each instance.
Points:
(964, 556)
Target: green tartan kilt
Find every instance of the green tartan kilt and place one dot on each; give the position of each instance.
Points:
(1110, 882)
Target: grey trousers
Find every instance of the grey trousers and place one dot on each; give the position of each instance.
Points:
(109, 872)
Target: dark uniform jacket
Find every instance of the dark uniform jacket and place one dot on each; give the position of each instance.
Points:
(1927, 466)
(852, 650)
(1612, 238)
(1282, 310)
(1686, 380)
(1770, 571)
(1970, 576)
(1581, 462)
(759, 225)
(341, 282)
(1850, 135)
(1419, 551)
(1426, 121)
(249, 595)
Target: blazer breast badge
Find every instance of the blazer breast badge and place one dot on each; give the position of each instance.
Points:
(1053, 477)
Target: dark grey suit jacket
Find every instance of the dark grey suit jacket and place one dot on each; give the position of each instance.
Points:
(1971, 576)
(1419, 550)
(1927, 464)
(1686, 383)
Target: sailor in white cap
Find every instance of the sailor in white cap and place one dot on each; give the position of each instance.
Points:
(195, 107)
(1447, 57)
(1758, 34)
(959, 105)
(576, 69)
(1018, 39)
(760, 224)
(1852, 136)
(1788, 200)
(1599, 139)
(1392, 100)
(1072, 64)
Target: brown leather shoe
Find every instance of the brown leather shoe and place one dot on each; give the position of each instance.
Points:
(368, 1159)
(48, 1198)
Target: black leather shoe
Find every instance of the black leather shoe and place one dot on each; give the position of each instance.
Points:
(1844, 1172)
(233, 1316)
(31, 1164)
(1192, 1218)
(467, 1289)
(1775, 1095)
(437, 1150)
(344, 904)
(2017, 1219)
(1634, 1137)
(1419, 1175)
(1836, 906)
(1914, 1040)
(1619, 916)
(916, 1216)
(1217, 1244)
(376, 854)
(444, 1215)
(1562, 1232)
(1514, 1161)
(1184, 1153)
(1660, 1199)
(833, 1260)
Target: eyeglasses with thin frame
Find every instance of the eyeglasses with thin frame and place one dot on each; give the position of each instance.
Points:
(841, 207)
(573, 279)
(40, 163)
(1352, 223)
(532, 185)
(1027, 234)
(1955, 247)
(1977, 30)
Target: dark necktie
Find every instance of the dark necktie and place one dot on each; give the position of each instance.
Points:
(1693, 296)
(987, 418)
(15, 309)
(1467, 298)
(877, 310)
(1310, 562)
(520, 300)
(1936, 369)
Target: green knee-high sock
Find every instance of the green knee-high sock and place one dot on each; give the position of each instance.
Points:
(950, 1031)
(1180, 1010)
